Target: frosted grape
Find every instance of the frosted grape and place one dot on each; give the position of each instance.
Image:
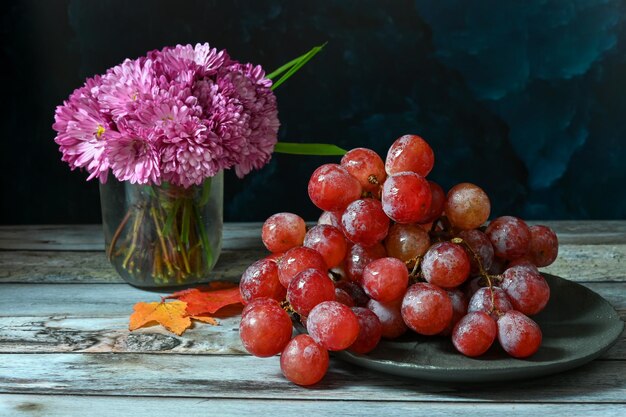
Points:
(544, 245)
(297, 260)
(518, 334)
(426, 308)
(329, 242)
(509, 236)
(332, 188)
(333, 325)
(406, 242)
(410, 153)
(446, 264)
(260, 280)
(366, 166)
(303, 361)
(385, 279)
(474, 334)
(406, 198)
(283, 231)
(265, 329)
(390, 317)
(370, 331)
(467, 206)
(527, 290)
(364, 222)
(309, 288)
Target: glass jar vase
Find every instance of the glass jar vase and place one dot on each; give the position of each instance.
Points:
(165, 235)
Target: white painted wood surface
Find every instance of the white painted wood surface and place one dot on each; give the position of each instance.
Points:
(65, 349)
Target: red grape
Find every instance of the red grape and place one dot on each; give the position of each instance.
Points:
(446, 264)
(332, 218)
(355, 291)
(410, 153)
(527, 290)
(390, 317)
(366, 166)
(308, 289)
(544, 245)
(467, 206)
(481, 301)
(265, 329)
(283, 231)
(525, 262)
(261, 280)
(257, 302)
(459, 309)
(358, 258)
(344, 298)
(518, 334)
(438, 200)
(480, 246)
(509, 236)
(370, 331)
(474, 334)
(297, 260)
(333, 325)
(426, 308)
(303, 361)
(332, 188)
(385, 279)
(364, 222)
(406, 198)
(329, 242)
(406, 242)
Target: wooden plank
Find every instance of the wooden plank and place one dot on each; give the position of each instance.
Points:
(588, 263)
(110, 334)
(247, 235)
(93, 267)
(115, 300)
(584, 263)
(17, 405)
(209, 376)
(94, 318)
(90, 237)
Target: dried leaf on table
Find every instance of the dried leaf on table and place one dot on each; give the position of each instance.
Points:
(206, 319)
(171, 315)
(208, 299)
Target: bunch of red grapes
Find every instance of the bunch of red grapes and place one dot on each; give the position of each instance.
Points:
(392, 252)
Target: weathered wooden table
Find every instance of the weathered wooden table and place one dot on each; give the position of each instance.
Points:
(65, 349)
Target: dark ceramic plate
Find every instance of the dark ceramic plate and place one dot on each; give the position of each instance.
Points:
(578, 326)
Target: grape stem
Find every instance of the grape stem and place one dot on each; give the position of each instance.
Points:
(483, 273)
(415, 273)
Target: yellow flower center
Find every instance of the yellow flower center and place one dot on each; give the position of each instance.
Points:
(99, 131)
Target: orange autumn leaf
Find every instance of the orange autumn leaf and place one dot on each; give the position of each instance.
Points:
(206, 319)
(208, 299)
(172, 316)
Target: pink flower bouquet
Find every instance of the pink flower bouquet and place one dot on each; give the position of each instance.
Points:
(168, 123)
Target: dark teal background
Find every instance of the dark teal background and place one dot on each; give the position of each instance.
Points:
(526, 99)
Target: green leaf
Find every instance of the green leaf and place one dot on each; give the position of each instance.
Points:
(206, 192)
(206, 244)
(295, 66)
(308, 149)
(184, 233)
(285, 67)
(169, 221)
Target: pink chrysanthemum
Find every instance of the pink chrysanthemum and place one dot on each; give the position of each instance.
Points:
(134, 157)
(179, 115)
(83, 130)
